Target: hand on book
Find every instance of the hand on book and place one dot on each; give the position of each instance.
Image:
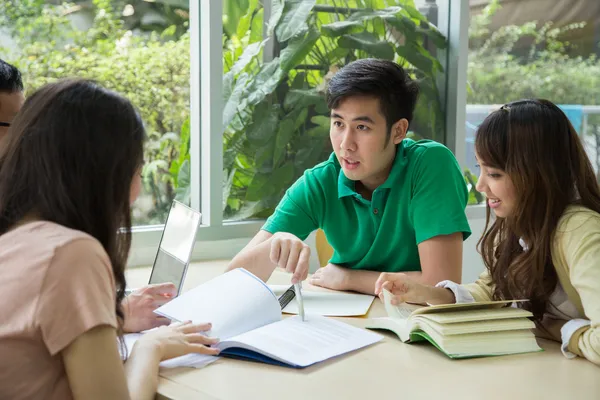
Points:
(291, 254)
(404, 289)
(139, 307)
(178, 339)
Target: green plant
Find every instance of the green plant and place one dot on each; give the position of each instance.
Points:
(275, 119)
(471, 180)
(500, 70)
(152, 71)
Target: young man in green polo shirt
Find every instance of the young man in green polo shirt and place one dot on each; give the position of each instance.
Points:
(385, 203)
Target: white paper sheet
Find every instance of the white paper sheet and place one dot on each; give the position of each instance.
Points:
(304, 343)
(234, 302)
(189, 360)
(332, 304)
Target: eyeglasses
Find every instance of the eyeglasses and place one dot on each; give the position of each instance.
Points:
(7, 124)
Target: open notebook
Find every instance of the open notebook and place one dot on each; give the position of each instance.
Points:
(462, 330)
(246, 316)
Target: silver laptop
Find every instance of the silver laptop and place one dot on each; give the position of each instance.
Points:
(176, 245)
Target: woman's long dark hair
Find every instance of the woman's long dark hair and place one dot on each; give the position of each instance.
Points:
(70, 157)
(536, 145)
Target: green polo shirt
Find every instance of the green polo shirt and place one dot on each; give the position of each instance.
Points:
(424, 196)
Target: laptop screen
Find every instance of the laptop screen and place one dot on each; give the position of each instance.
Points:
(176, 245)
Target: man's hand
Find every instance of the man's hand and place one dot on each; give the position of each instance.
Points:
(332, 277)
(291, 254)
(139, 307)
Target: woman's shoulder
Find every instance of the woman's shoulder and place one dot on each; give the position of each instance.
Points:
(578, 219)
(41, 240)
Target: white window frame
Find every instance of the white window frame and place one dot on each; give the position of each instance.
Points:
(217, 238)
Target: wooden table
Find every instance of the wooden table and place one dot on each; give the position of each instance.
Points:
(389, 369)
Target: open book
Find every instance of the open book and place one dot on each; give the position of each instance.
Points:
(246, 317)
(462, 330)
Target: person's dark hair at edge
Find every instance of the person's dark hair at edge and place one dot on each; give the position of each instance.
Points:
(535, 144)
(70, 158)
(10, 78)
(383, 79)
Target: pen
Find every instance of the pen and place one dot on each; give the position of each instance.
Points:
(298, 290)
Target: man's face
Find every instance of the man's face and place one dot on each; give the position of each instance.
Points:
(10, 104)
(359, 138)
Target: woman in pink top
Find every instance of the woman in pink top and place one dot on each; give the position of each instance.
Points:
(68, 174)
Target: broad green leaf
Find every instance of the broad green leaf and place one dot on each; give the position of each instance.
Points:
(257, 187)
(403, 25)
(416, 59)
(297, 49)
(367, 15)
(264, 124)
(241, 118)
(284, 134)
(337, 54)
(228, 83)
(232, 104)
(281, 177)
(301, 119)
(293, 19)
(247, 56)
(183, 190)
(264, 154)
(318, 132)
(276, 12)
(248, 210)
(340, 28)
(227, 183)
(244, 22)
(302, 98)
(432, 32)
(369, 43)
(256, 29)
(299, 80)
(321, 120)
(413, 12)
(265, 82)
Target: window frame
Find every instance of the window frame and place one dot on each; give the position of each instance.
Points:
(222, 239)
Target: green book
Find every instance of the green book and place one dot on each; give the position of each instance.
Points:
(463, 330)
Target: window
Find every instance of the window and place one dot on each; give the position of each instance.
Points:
(137, 48)
(277, 60)
(233, 119)
(533, 48)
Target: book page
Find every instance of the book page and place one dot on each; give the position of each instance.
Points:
(465, 306)
(468, 315)
(402, 311)
(332, 304)
(234, 302)
(303, 343)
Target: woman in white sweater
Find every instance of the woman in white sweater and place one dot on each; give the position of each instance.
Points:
(544, 243)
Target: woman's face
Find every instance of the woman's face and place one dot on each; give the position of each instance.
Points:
(498, 188)
(136, 185)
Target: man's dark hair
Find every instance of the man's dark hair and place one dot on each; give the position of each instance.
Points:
(10, 78)
(383, 79)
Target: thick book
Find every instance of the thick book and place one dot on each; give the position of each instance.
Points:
(462, 330)
(246, 317)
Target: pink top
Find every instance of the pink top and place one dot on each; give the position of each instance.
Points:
(57, 284)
